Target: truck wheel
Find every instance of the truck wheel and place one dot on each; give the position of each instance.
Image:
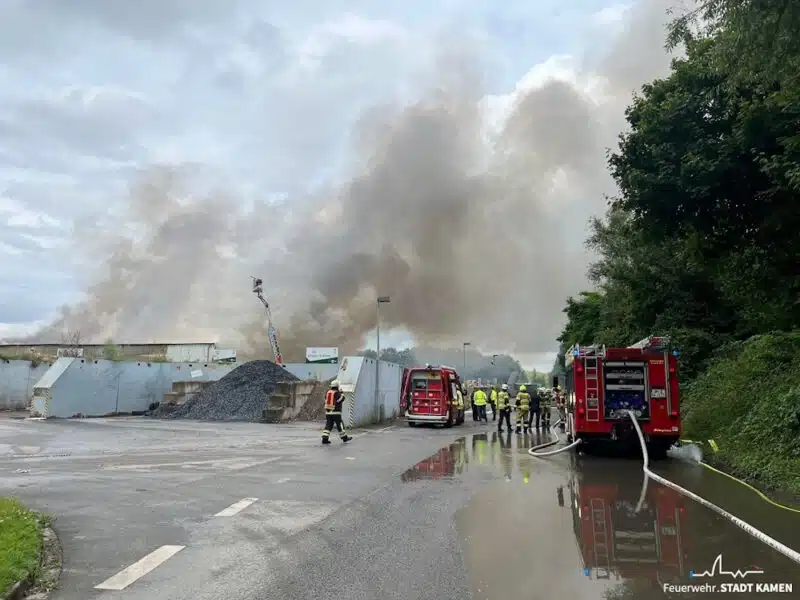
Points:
(449, 418)
(411, 424)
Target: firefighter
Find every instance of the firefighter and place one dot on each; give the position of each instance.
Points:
(480, 400)
(545, 408)
(459, 401)
(535, 411)
(523, 407)
(475, 411)
(561, 408)
(504, 408)
(333, 414)
(493, 402)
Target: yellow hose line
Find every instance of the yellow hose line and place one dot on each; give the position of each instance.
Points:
(761, 494)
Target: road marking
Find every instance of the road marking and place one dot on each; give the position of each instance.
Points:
(139, 569)
(349, 457)
(236, 507)
(284, 480)
(231, 464)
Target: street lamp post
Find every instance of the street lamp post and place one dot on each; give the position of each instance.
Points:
(378, 406)
(464, 346)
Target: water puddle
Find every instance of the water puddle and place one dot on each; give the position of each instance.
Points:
(592, 528)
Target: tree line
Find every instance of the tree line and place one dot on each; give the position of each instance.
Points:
(702, 240)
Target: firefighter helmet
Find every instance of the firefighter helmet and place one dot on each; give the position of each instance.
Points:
(335, 384)
(522, 388)
(505, 387)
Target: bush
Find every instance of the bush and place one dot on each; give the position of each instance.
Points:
(748, 401)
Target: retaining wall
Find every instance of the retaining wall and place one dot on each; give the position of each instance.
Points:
(91, 388)
(357, 379)
(17, 378)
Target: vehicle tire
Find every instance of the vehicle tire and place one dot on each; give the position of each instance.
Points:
(450, 419)
(412, 424)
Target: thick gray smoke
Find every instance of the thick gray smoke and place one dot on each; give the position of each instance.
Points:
(475, 233)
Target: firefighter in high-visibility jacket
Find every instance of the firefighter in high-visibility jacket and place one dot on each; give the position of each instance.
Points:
(480, 399)
(504, 408)
(334, 399)
(523, 406)
(493, 403)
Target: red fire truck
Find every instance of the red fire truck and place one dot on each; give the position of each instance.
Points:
(603, 384)
(446, 462)
(616, 539)
(429, 395)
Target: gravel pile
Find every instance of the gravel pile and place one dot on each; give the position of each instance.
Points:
(241, 395)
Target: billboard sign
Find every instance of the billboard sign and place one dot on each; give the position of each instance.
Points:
(324, 356)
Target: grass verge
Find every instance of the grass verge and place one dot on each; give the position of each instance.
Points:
(748, 401)
(20, 543)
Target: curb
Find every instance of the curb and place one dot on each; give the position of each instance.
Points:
(50, 564)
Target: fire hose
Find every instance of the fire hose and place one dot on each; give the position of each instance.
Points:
(789, 553)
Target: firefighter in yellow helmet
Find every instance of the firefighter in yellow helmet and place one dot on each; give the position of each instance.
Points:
(523, 406)
(504, 408)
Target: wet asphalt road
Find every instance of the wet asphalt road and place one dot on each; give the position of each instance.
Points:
(401, 513)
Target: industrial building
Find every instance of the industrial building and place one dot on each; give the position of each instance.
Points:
(191, 352)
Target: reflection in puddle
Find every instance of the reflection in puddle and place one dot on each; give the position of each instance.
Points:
(450, 460)
(625, 535)
(593, 530)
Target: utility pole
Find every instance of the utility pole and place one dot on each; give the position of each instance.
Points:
(378, 405)
(464, 347)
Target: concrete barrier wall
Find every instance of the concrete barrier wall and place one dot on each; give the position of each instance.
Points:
(357, 378)
(17, 378)
(94, 388)
(307, 371)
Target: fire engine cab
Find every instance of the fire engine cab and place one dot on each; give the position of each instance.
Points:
(429, 395)
(603, 384)
(626, 532)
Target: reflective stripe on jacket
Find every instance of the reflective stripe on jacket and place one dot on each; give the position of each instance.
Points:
(333, 401)
(524, 400)
(480, 398)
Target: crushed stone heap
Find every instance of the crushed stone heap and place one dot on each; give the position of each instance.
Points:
(241, 395)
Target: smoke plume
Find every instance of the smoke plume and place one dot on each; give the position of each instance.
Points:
(474, 230)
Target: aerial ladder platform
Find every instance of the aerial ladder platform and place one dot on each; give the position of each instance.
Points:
(272, 333)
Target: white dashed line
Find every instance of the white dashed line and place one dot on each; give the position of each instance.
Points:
(236, 507)
(140, 568)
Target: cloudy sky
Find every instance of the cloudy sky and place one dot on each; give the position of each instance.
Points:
(259, 99)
